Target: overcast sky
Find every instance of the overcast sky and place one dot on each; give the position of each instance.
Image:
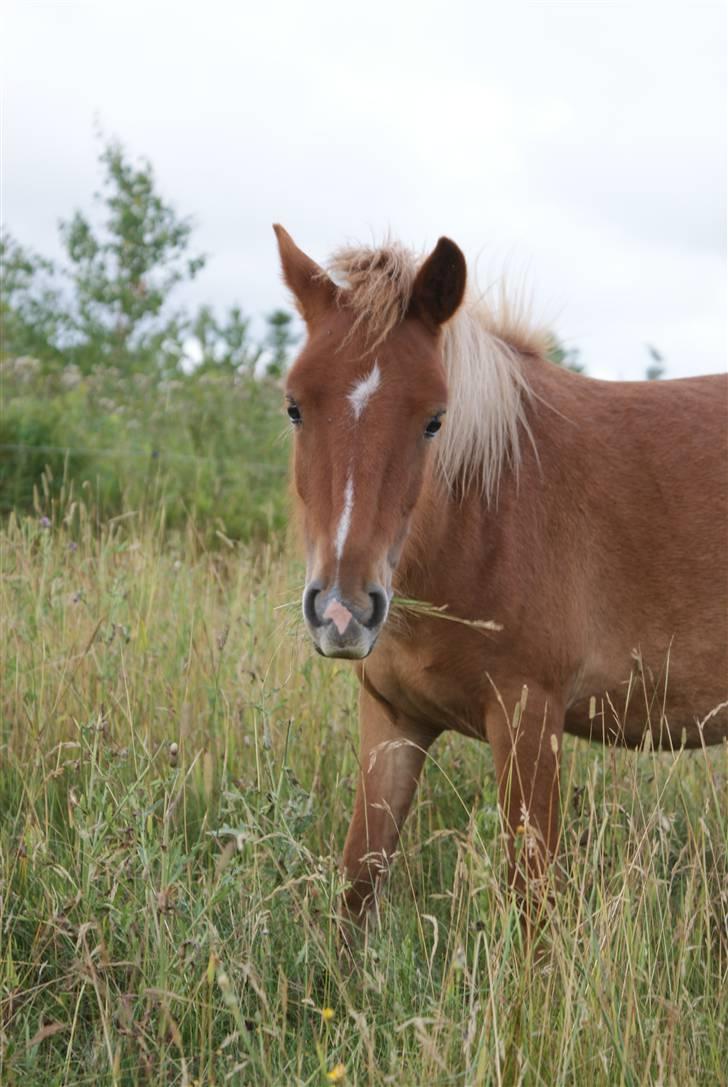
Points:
(582, 144)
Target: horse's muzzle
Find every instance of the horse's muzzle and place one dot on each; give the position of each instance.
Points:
(341, 626)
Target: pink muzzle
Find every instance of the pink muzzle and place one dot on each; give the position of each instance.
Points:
(339, 615)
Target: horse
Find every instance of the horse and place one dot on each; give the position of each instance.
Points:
(575, 528)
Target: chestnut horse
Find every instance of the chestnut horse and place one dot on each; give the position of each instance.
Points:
(439, 451)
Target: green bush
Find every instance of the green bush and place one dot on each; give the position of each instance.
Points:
(209, 446)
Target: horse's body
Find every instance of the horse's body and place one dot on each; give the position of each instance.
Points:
(586, 520)
(608, 547)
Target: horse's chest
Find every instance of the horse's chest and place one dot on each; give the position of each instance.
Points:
(423, 684)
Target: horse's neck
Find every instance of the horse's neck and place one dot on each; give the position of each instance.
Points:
(457, 531)
(445, 527)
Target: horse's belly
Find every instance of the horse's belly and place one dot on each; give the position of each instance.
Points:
(625, 716)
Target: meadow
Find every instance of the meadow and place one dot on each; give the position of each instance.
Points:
(176, 774)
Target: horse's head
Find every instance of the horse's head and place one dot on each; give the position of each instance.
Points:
(366, 411)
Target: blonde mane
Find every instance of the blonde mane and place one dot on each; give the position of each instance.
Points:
(483, 347)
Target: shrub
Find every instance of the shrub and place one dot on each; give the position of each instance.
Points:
(208, 446)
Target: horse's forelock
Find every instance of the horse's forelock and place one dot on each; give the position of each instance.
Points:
(377, 286)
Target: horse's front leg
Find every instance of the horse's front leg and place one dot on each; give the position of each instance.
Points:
(391, 754)
(525, 730)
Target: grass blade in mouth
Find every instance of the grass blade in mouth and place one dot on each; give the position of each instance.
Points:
(440, 611)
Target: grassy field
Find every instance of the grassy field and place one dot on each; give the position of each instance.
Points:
(176, 774)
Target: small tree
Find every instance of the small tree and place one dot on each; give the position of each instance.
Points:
(123, 273)
(279, 340)
(225, 347)
(568, 357)
(656, 368)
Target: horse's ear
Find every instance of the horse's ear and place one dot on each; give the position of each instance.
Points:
(313, 290)
(440, 284)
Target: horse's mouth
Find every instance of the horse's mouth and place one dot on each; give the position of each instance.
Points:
(355, 644)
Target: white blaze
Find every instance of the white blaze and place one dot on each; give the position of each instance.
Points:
(359, 396)
(364, 390)
(344, 525)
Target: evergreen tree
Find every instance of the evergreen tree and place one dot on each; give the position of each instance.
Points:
(225, 347)
(279, 340)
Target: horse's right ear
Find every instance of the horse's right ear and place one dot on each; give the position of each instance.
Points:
(313, 290)
(439, 287)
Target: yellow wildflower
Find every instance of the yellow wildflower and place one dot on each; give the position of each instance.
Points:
(336, 1074)
(327, 1014)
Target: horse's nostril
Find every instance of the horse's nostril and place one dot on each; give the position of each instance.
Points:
(380, 604)
(309, 605)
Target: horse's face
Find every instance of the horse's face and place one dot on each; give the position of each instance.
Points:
(365, 427)
(365, 422)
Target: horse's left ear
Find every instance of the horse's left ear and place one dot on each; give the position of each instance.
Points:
(440, 284)
(313, 290)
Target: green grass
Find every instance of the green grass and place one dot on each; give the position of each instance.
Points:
(167, 913)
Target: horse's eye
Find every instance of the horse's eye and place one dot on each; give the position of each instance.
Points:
(433, 426)
(294, 414)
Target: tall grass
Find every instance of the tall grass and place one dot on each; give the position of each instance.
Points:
(176, 774)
